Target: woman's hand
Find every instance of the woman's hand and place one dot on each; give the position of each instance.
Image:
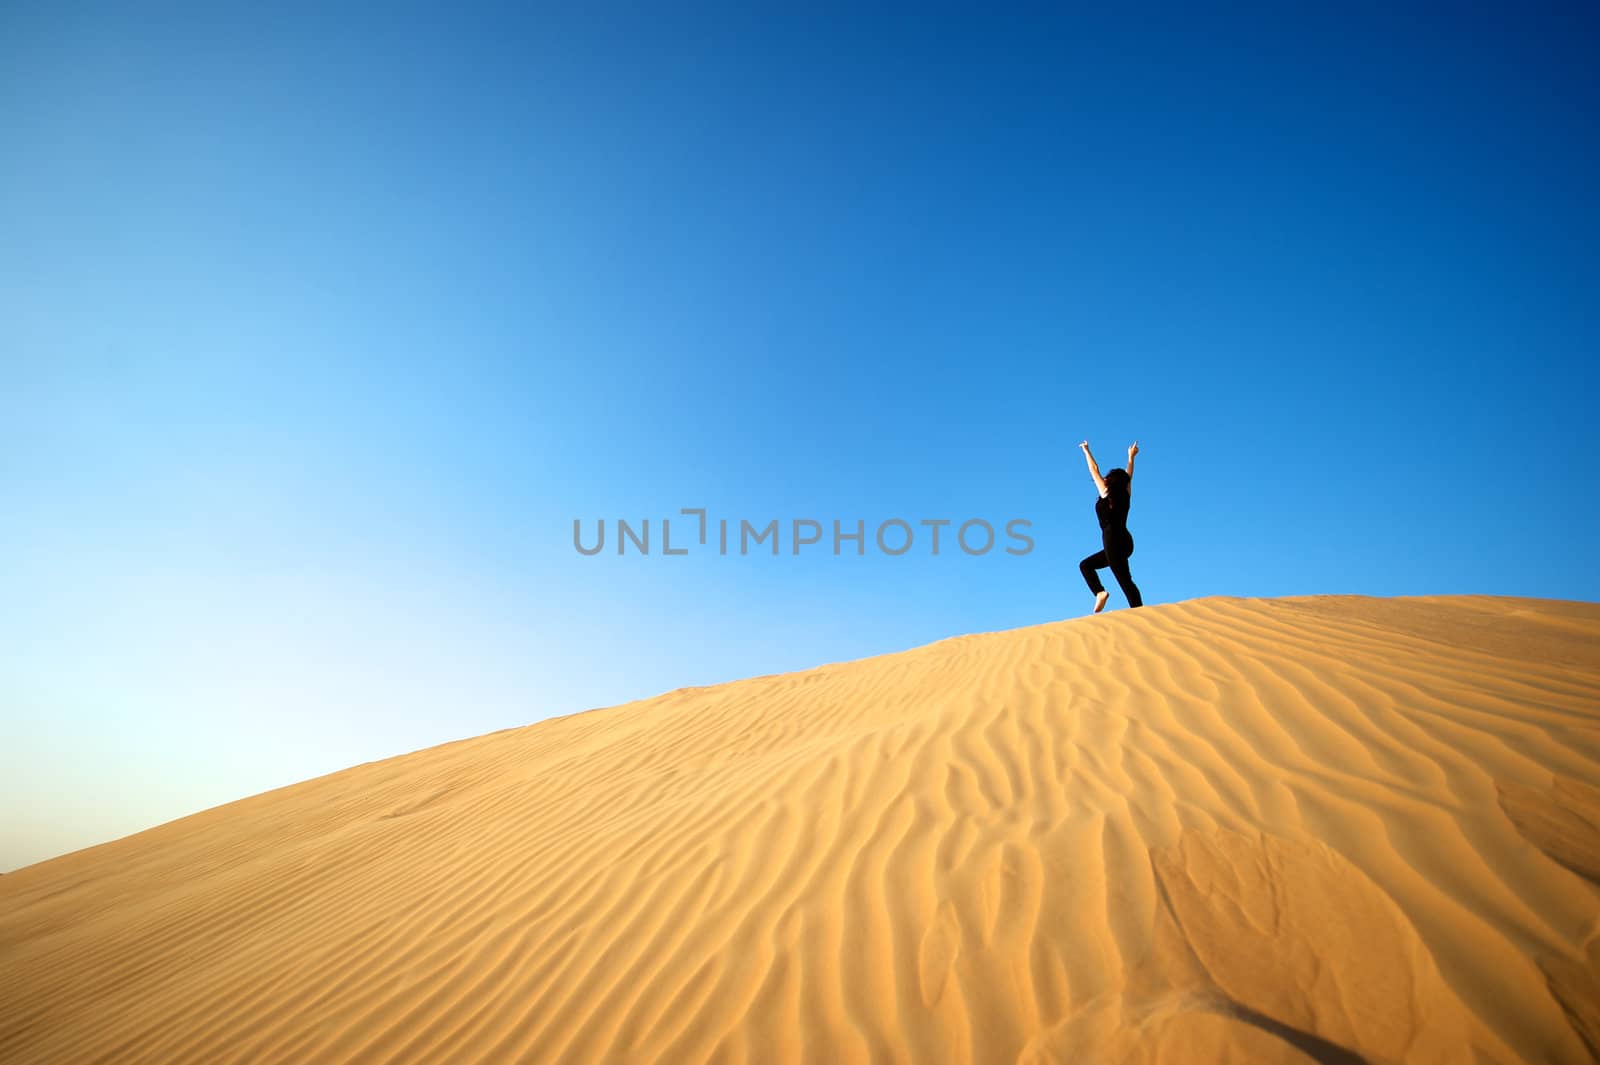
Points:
(1094, 468)
(1133, 449)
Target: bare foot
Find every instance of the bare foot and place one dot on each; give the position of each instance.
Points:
(1100, 601)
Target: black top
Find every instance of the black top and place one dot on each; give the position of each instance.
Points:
(1112, 509)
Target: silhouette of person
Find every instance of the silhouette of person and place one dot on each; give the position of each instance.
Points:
(1116, 542)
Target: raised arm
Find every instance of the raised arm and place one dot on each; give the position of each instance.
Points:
(1094, 469)
(1133, 449)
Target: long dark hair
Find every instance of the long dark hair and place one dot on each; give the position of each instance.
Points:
(1117, 482)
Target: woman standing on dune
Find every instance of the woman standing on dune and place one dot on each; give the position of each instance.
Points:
(1115, 540)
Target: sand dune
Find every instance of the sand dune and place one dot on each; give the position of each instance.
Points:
(1304, 830)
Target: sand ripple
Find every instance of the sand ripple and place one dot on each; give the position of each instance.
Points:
(1331, 829)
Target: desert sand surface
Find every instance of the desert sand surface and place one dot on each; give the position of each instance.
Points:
(1327, 829)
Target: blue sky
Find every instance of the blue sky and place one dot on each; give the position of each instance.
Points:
(319, 326)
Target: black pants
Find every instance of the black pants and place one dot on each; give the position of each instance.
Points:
(1118, 546)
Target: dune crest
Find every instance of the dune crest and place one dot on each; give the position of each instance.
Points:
(1329, 829)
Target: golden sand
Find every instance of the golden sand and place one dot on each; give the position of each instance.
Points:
(1330, 829)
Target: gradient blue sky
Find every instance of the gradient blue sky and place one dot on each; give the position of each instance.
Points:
(320, 325)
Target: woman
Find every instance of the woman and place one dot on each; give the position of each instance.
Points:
(1115, 540)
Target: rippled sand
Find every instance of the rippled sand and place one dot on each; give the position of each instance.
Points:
(1329, 829)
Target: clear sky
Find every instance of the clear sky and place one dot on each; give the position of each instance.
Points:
(320, 324)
